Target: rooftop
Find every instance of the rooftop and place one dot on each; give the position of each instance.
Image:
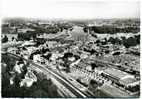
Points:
(129, 81)
(117, 73)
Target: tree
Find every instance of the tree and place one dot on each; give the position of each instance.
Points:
(137, 38)
(112, 40)
(131, 41)
(94, 35)
(98, 41)
(85, 29)
(93, 66)
(13, 38)
(117, 40)
(5, 39)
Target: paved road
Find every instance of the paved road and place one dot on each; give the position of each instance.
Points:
(77, 92)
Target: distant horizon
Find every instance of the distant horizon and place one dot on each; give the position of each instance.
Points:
(71, 19)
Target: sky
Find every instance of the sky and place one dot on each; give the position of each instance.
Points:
(71, 9)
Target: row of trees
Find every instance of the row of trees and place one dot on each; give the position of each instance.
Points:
(112, 29)
(127, 42)
(39, 30)
(26, 36)
(51, 29)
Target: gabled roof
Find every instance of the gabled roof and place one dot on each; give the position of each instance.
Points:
(117, 73)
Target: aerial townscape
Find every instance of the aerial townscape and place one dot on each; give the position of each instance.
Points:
(70, 58)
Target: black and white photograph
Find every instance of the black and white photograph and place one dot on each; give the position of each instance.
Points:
(70, 49)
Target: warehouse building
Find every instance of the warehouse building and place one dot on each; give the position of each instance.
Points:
(120, 77)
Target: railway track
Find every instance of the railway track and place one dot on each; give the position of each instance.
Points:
(76, 91)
